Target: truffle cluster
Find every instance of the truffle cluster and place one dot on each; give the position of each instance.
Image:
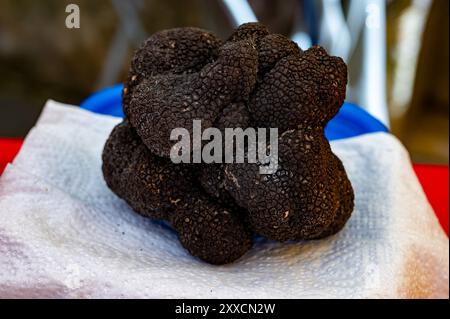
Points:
(254, 79)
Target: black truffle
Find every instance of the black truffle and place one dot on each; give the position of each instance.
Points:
(254, 79)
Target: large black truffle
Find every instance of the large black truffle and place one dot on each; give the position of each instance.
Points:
(254, 79)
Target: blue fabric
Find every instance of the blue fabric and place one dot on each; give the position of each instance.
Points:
(349, 122)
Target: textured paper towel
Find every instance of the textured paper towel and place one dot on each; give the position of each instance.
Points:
(64, 234)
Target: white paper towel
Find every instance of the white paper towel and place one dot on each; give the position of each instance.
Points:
(63, 233)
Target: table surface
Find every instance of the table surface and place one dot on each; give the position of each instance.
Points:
(434, 179)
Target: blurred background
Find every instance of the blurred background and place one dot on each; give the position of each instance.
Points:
(397, 52)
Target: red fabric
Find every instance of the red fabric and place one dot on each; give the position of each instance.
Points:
(8, 150)
(434, 179)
